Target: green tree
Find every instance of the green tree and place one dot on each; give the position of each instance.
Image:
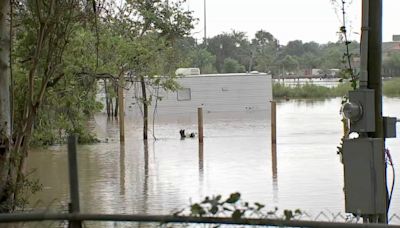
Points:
(391, 64)
(202, 59)
(233, 66)
(264, 51)
(232, 45)
(5, 112)
(153, 28)
(43, 32)
(290, 63)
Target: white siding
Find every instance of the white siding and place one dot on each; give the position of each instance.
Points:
(215, 93)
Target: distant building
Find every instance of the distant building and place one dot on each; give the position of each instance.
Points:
(392, 46)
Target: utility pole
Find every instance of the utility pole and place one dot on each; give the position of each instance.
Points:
(374, 65)
(364, 161)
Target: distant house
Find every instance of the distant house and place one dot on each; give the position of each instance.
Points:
(215, 93)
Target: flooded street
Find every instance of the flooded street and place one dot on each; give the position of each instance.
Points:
(169, 173)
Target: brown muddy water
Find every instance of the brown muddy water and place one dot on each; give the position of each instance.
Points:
(168, 173)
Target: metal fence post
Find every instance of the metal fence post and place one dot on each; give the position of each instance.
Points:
(73, 180)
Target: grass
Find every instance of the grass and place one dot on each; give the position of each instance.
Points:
(391, 88)
(309, 91)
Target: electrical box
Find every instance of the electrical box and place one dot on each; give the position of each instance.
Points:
(364, 98)
(389, 126)
(364, 176)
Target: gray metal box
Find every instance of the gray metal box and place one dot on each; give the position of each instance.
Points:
(389, 126)
(364, 176)
(365, 98)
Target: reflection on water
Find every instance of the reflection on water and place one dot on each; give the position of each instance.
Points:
(160, 176)
(122, 168)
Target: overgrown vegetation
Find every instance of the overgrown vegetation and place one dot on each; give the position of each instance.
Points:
(57, 51)
(308, 90)
(391, 88)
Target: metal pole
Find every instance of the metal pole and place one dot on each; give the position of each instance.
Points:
(375, 81)
(163, 219)
(73, 180)
(200, 124)
(205, 24)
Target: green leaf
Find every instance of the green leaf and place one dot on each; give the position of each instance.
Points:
(288, 214)
(233, 198)
(259, 206)
(214, 210)
(237, 214)
(197, 210)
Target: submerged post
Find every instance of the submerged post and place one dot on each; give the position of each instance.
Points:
(200, 124)
(273, 137)
(121, 108)
(73, 180)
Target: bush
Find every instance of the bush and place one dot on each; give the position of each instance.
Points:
(309, 91)
(391, 88)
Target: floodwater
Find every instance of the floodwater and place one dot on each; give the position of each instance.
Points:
(168, 173)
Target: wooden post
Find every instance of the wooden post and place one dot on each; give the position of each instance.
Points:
(121, 109)
(200, 123)
(73, 181)
(273, 138)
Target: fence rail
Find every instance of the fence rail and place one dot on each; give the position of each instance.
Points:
(163, 219)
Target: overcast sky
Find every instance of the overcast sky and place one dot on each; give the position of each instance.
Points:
(307, 20)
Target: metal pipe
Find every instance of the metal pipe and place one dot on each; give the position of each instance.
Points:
(364, 45)
(205, 24)
(34, 217)
(375, 83)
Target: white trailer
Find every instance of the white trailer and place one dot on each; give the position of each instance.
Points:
(215, 93)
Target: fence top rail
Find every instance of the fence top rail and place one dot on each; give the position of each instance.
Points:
(34, 217)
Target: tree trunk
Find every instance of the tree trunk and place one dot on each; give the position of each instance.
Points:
(116, 99)
(107, 98)
(5, 112)
(145, 108)
(116, 107)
